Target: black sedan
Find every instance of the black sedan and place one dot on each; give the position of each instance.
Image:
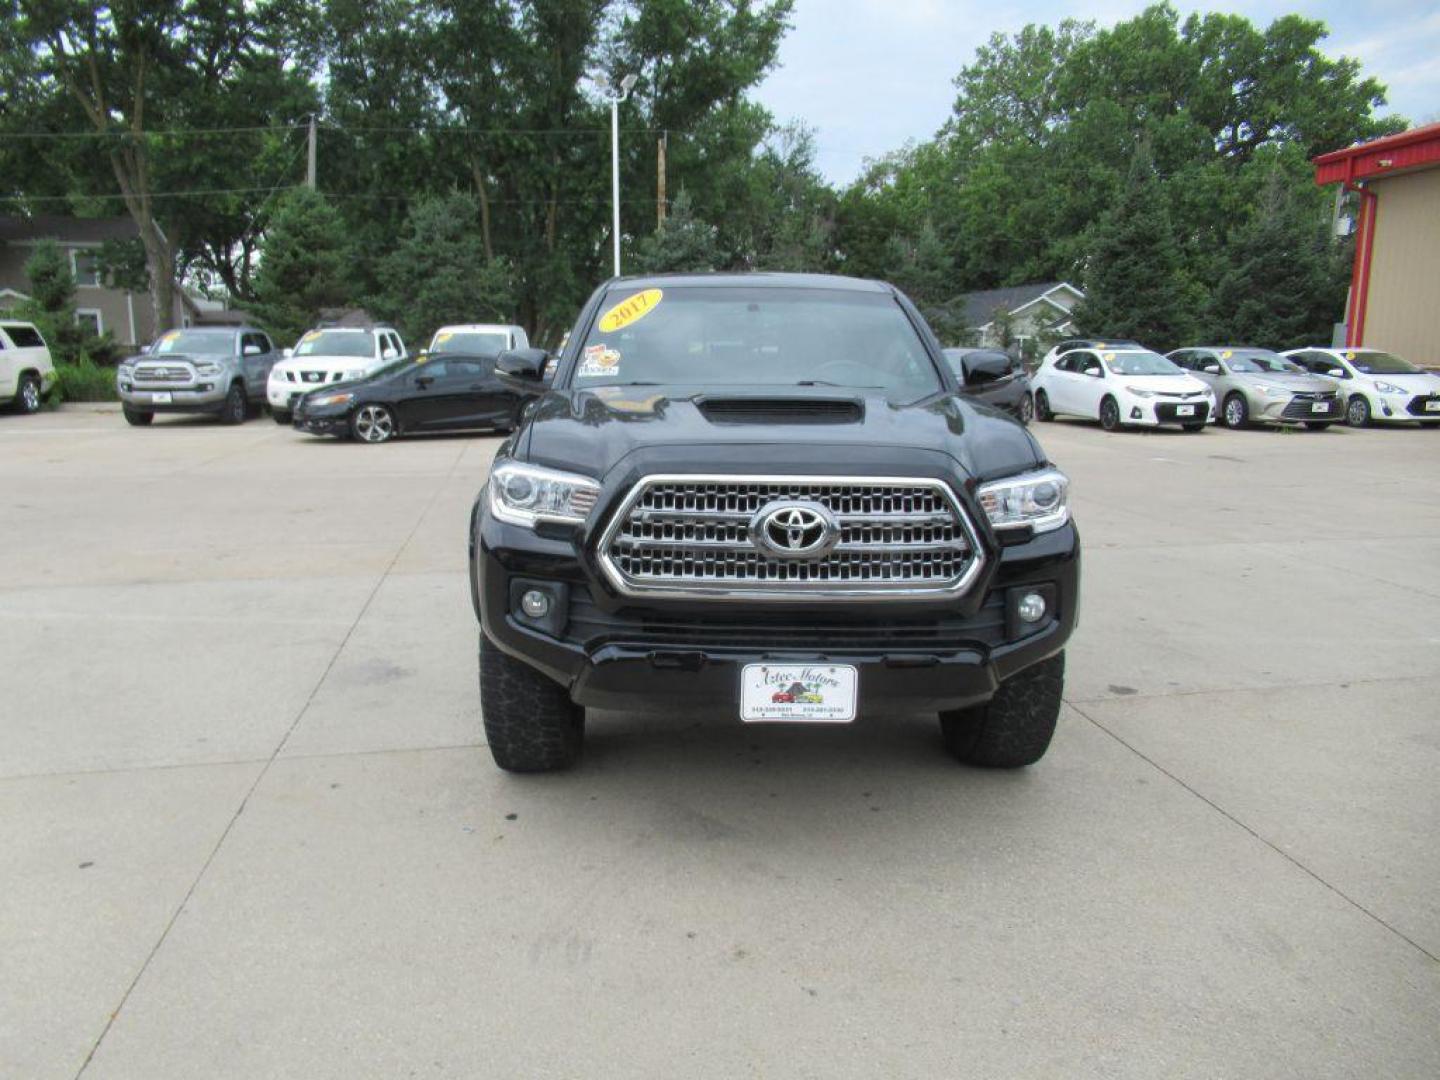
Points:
(991, 376)
(442, 392)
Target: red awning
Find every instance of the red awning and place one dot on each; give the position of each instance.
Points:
(1416, 148)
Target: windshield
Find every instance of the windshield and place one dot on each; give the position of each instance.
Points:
(756, 337)
(479, 342)
(336, 343)
(1381, 363)
(1257, 362)
(196, 342)
(1139, 363)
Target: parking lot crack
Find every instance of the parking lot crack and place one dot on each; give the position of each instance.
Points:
(1350, 900)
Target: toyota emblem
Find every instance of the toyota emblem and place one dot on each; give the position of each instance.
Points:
(795, 530)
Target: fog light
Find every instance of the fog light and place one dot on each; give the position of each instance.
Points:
(1031, 608)
(536, 604)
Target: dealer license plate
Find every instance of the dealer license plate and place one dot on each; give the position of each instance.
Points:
(160, 398)
(1184, 410)
(1320, 406)
(1432, 406)
(807, 693)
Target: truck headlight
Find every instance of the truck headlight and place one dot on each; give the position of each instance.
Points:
(527, 494)
(356, 373)
(1038, 499)
(207, 367)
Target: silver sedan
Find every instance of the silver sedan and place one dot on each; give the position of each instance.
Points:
(1255, 386)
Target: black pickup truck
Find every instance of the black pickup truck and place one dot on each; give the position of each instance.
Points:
(765, 491)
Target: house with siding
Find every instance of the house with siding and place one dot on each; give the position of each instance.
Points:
(1032, 311)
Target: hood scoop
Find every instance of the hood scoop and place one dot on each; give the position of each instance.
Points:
(777, 410)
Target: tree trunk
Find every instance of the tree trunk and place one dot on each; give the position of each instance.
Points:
(483, 194)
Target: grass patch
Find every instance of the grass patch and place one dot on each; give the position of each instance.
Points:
(83, 381)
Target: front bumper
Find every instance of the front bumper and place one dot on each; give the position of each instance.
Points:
(207, 397)
(329, 423)
(1147, 412)
(1293, 410)
(616, 653)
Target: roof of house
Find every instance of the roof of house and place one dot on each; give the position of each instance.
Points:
(1413, 149)
(980, 307)
(67, 230)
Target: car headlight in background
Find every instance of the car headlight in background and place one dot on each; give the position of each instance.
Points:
(330, 399)
(527, 494)
(358, 373)
(1388, 388)
(1138, 392)
(1039, 499)
(207, 367)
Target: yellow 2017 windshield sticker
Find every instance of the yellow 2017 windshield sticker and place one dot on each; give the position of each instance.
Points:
(631, 310)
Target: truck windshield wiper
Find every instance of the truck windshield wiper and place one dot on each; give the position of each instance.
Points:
(827, 382)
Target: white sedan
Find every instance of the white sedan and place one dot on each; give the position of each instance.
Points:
(1376, 386)
(1122, 386)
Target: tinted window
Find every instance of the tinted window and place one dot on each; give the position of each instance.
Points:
(485, 343)
(24, 337)
(432, 369)
(700, 335)
(1380, 363)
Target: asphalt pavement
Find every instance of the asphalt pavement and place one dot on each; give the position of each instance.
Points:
(249, 827)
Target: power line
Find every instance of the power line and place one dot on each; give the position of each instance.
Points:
(121, 133)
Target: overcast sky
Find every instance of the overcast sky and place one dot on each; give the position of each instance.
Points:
(869, 74)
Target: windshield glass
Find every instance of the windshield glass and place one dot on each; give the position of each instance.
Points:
(1257, 362)
(1139, 363)
(336, 343)
(1380, 363)
(698, 335)
(479, 342)
(197, 342)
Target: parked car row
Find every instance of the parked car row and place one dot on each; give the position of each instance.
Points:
(1124, 384)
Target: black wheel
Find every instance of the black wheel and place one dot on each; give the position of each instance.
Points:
(530, 722)
(1042, 407)
(1192, 428)
(1318, 425)
(280, 416)
(373, 424)
(1012, 729)
(1235, 413)
(1357, 412)
(27, 394)
(1109, 414)
(1027, 409)
(236, 406)
(137, 417)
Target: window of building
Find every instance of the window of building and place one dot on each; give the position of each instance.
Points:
(85, 265)
(90, 320)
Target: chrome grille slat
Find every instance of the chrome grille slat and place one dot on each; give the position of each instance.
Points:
(690, 535)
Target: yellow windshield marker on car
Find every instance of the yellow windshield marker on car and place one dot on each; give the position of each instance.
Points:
(631, 310)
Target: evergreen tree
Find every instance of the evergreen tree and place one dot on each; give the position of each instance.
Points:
(438, 274)
(305, 263)
(1279, 288)
(683, 242)
(1134, 277)
(51, 306)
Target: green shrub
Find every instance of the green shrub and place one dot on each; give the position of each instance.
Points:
(83, 381)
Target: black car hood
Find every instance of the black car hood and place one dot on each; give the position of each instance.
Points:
(593, 431)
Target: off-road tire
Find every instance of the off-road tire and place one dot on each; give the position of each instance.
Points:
(281, 416)
(28, 397)
(137, 417)
(236, 407)
(1013, 729)
(1110, 414)
(1318, 425)
(1357, 412)
(1043, 412)
(530, 722)
(1235, 412)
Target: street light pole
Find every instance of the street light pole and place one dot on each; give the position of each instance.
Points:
(626, 85)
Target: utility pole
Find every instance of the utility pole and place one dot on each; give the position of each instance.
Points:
(660, 179)
(626, 85)
(310, 163)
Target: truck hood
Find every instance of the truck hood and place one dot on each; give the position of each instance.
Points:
(777, 430)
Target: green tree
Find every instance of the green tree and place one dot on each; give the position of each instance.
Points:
(438, 274)
(1135, 282)
(682, 242)
(305, 261)
(51, 305)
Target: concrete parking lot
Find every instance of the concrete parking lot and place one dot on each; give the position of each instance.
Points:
(249, 827)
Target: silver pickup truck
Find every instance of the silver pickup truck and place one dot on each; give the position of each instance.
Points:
(220, 370)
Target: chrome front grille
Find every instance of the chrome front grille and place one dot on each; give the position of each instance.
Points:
(163, 373)
(697, 535)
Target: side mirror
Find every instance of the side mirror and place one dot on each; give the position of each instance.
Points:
(1336, 373)
(1210, 368)
(287, 353)
(1093, 372)
(388, 353)
(251, 350)
(522, 370)
(982, 369)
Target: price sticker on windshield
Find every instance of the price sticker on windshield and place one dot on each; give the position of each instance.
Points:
(631, 310)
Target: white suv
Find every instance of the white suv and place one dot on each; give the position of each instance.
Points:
(26, 371)
(330, 354)
(482, 339)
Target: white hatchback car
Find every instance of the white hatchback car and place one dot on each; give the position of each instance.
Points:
(330, 354)
(27, 373)
(1376, 386)
(1121, 387)
(479, 339)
